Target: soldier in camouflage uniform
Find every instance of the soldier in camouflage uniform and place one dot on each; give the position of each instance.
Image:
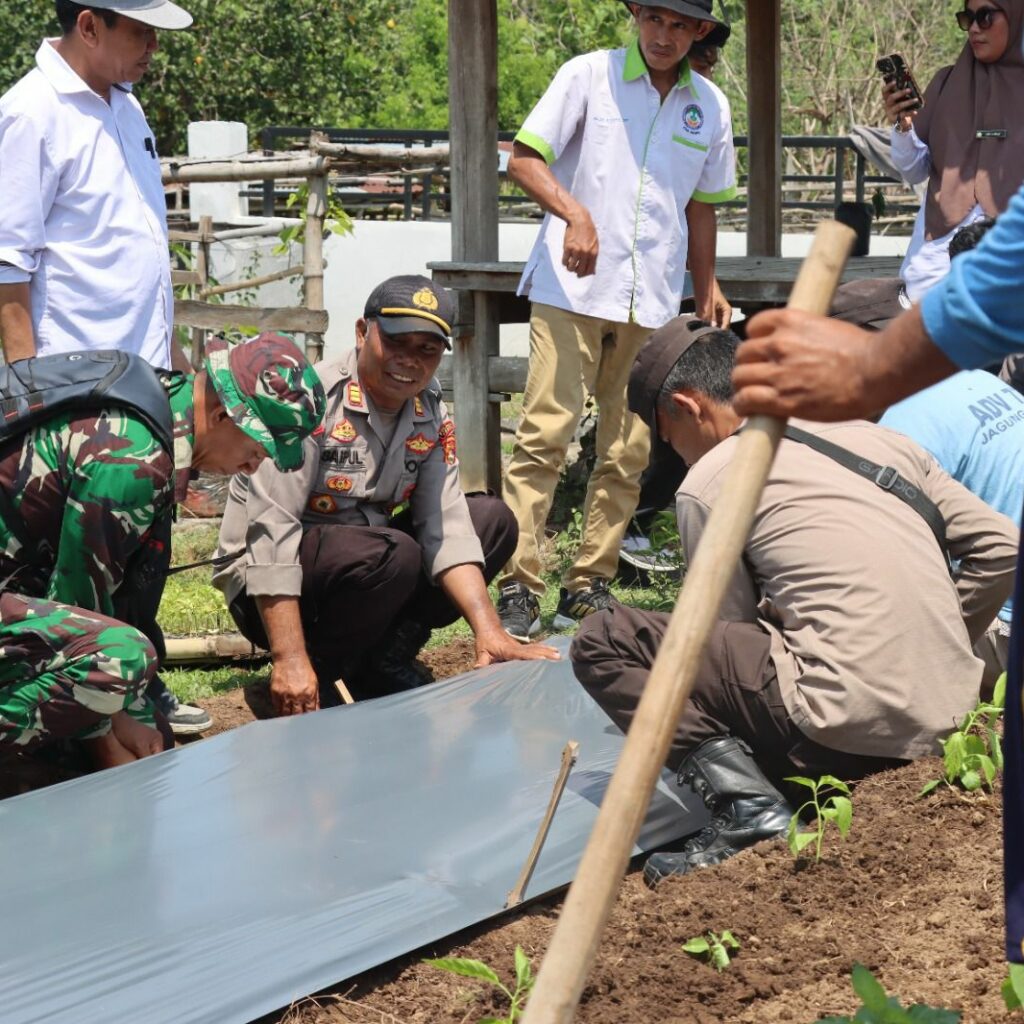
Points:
(344, 568)
(80, 498)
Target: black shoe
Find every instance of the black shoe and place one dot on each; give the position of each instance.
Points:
(184, 719)
(746, 808)
(392, 668)
(572, 608)
(519, 611)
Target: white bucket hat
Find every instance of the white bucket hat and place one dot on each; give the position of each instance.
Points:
(158, 13)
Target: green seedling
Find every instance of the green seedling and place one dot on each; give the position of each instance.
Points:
(479, 971)
(1013, 988)
(973, 754)
(837, 808)
(878, 1008)
(713, 948)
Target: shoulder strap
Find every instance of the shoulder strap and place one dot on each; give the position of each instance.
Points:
(885, 477)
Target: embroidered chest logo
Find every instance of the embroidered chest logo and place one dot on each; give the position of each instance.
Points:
(419, 444)
(343, 431)
(355, 396)
(446, 437)
(693, 118)
(425, 299)
(324, 504)
(342, 484)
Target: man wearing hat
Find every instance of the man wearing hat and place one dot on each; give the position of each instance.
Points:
(84, 498)
(345, 567)
(844, 642)
(628, 153)
(83, 225)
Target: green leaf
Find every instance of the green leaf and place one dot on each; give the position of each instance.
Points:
(844, 814)
(975, 746)
(802, 780)
(970, 780)
(1011, 1000)
(697, 946)
(719, 956)
(524, 973)
(1016, 980)
(803, 839)
(928, 787)
(465, 968)
(999, 694)
(918, 1014)
(953, 755)
(791, 834)
(495, 1020)
(870, 990)
(728, 939)
(988, 769)
(831, 780)
(995, 746)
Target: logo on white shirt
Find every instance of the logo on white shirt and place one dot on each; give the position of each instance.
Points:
(693, 119)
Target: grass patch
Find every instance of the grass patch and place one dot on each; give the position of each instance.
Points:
(190, 684)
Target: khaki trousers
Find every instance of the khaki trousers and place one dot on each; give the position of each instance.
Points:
(571, 355)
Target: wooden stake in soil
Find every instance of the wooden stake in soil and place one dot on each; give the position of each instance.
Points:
(570, 754)
(591, 896)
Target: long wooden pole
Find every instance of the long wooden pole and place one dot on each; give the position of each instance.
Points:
(575, 940)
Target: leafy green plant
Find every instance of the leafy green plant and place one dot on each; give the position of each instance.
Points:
(713, 948)
(1013, 987)
(479, 971)
(336, 221)
(837, 808)
(973, 754)
(878, 1008)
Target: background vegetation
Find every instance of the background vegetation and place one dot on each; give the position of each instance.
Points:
(383, 63)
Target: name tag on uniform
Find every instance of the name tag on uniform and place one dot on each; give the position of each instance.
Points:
(990, 133)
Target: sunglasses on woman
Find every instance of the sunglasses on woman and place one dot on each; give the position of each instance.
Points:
(984, 16)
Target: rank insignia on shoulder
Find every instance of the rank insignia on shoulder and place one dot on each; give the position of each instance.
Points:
(323, 503)
(355, 395)
(417, 406)
(343, 431)
(342, 484)
(420, 444)
(446, 436)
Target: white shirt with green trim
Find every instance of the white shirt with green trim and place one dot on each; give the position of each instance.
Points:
(634, 163)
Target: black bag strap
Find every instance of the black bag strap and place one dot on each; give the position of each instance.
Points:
(885, 477)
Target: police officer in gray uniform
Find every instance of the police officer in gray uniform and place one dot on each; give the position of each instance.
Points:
(345, 566)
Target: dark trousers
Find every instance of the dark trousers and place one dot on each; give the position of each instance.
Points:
(736, 693)
(359, 580)
(661, 479)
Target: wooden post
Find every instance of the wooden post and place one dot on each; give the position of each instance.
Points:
(764, 107)
(473, 124)
(313, 256)
(203, 273)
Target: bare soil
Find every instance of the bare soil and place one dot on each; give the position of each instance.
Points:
(914, 894)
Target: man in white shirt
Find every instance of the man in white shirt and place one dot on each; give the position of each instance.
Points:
(628, 151)
(83, 223)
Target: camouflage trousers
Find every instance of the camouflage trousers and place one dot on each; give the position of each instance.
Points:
(64, 671)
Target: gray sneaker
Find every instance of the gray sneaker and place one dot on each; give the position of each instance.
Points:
(519, 611)
(572, 608)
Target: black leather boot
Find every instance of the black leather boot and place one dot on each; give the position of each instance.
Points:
(745, 808)
(391, 666)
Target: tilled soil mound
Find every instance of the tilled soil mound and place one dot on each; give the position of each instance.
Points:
(914, 893)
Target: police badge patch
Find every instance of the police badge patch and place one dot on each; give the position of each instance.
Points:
(324, 504)
(342, 484)
(420, 444)
(343, 431)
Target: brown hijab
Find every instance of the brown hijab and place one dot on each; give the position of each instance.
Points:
(960, 101)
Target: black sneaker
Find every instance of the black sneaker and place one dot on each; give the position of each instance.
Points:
(184, 719)
(519, 611)
(574, 607)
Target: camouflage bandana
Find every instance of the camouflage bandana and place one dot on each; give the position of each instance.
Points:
(270, 391)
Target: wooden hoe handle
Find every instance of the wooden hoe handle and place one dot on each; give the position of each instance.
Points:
(592, 894)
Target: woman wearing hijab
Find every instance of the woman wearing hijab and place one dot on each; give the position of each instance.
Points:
(967, 140)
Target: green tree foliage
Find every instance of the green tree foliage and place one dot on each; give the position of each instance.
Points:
(384, 63)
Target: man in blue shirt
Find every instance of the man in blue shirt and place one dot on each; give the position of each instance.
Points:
(795, 364)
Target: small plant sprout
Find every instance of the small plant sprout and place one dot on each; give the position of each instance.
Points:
(837, 808)
(878, 1008)
(1013, 988)
(973, 754)
(713, 948)
(479, 971)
